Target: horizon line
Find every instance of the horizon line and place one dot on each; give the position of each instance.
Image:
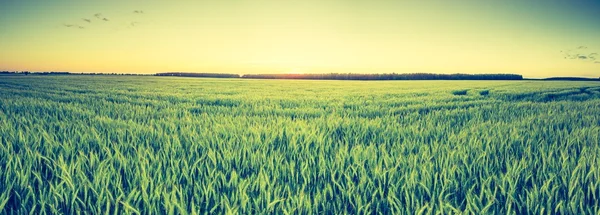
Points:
(241, 75)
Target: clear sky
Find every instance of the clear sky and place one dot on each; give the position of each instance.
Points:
(534, 38)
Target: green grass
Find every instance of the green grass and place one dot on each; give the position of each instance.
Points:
(152, 145)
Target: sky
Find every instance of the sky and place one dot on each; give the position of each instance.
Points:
(534, 38)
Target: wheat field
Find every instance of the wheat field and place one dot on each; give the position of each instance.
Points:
(165, 145)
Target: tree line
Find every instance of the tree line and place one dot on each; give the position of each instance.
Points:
(390, 76)
(571, 79)
(326, 76)
(353, 76)
(65, 73)
(34, 73)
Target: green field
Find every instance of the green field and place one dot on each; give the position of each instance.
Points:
(161, 145)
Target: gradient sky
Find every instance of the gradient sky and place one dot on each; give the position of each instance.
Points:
(233, 36)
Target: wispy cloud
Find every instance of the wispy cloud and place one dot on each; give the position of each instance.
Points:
(580, 53)
(73, 26)
(90, 22)
(101, 17)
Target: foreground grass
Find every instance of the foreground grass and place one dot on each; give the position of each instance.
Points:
(149, 145)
